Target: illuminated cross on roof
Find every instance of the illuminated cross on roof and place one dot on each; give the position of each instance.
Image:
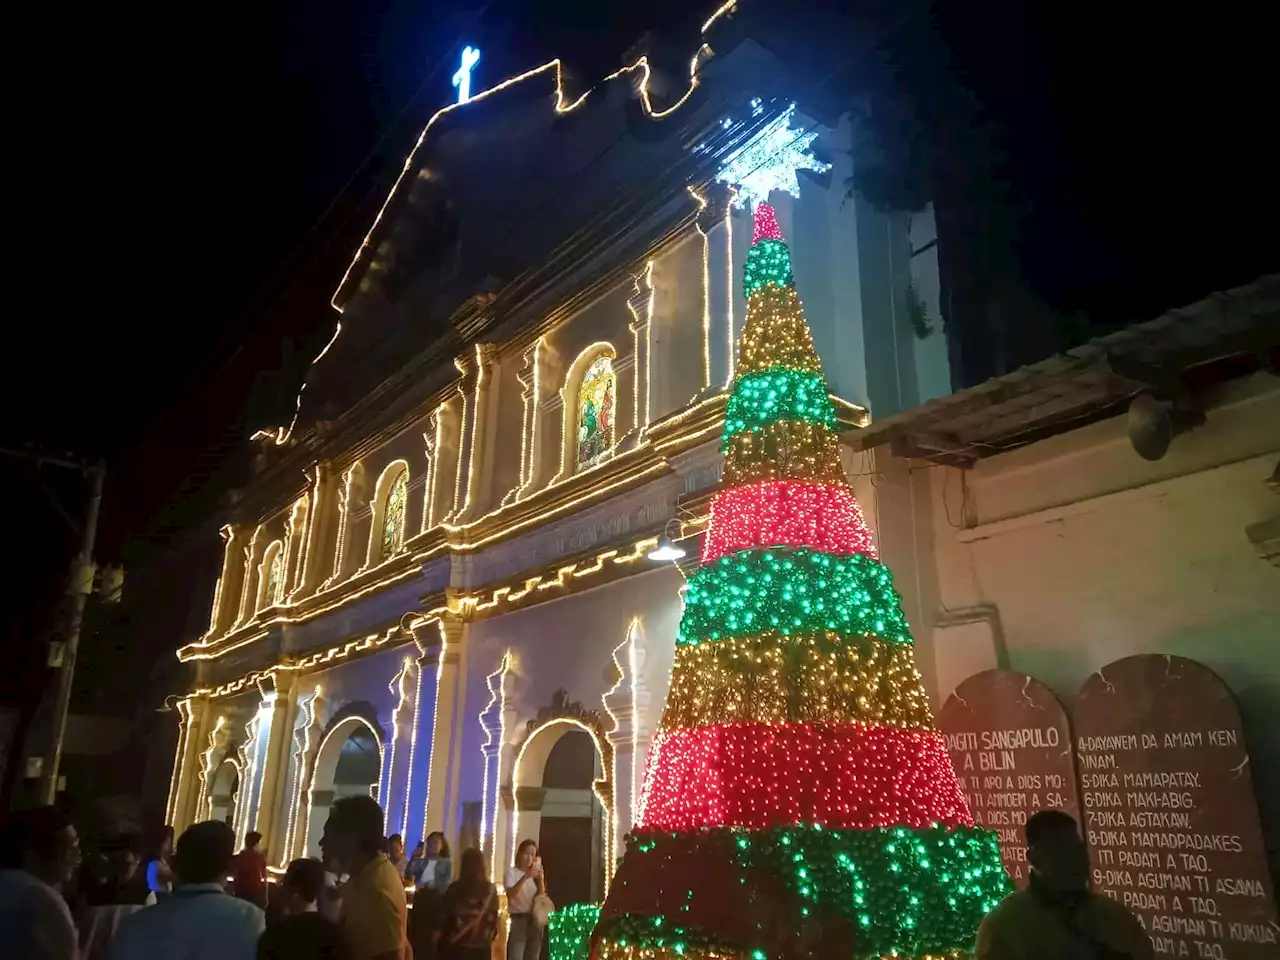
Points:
(462, 79)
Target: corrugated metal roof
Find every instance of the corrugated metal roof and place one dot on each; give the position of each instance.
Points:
(1086, 382)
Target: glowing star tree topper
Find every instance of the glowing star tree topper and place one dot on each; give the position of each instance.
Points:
(462, 79)
(769, 160)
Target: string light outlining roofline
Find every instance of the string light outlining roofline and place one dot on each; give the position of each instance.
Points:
(280, 435)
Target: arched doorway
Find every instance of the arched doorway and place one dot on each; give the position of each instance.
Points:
(224, 792)
(572, 833)
(348, 763)
(564, 800)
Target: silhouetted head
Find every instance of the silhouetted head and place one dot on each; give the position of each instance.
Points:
(1056, 852)
(302, 885)
(204, 853)
(353, 832)
(43, 842)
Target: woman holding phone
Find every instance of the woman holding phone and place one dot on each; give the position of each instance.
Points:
(523, 883)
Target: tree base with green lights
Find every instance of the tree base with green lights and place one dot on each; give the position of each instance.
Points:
(798, 800)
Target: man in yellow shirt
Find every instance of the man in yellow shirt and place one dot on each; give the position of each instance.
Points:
(374, 909)
(1057, 917)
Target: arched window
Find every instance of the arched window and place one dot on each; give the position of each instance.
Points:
(596, 411)
(393, 515)
(275, 580)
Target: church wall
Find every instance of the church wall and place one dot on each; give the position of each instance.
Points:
(821, 229)
(509, 430)
(388, 683)
(676, 362)
(603, 321)
(563, 645)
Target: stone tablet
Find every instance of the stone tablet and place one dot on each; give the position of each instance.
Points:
(1170, 813)
(1010, 744)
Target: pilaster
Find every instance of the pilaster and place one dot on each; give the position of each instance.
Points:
(227, 596)
(304, 767)
(318, 538)
(480, 380)
(199, 713)
(445, 729)
(640, 303)
(627, 704)
(210, 747)
(726, 308)
(272, 812)
(399, 748)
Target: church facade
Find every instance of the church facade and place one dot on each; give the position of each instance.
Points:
(446, 590)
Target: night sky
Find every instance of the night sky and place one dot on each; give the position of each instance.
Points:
(169, 166)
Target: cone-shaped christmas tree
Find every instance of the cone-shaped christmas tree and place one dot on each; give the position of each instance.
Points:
(798, 800)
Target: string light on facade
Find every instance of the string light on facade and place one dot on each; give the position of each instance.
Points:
(178, 776)
(561, 104)
(769, 160)
(606, 799)
(701, 201)
(324, 742)
(413, 744)
(397, 687)
(497, 696)
(301, 756)
(266, 717)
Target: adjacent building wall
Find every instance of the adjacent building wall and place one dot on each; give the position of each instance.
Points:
(1063, 556)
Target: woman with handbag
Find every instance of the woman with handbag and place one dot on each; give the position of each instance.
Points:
(469, 912)
(527, 903)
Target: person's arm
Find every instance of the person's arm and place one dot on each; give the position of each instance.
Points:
(512, 888)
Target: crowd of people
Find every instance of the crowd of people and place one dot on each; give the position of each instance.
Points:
(198, 899)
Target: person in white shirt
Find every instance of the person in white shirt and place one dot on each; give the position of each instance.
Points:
(523, 882)
(39, 853)
(199, 920)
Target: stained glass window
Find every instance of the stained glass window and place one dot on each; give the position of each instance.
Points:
(596, 412)
(275, 573)
(393, 515)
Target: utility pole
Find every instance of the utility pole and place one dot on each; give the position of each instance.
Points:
(44, 741)
(78, 589)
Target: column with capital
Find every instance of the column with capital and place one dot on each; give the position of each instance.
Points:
(479, 370)
(304, 747)
(318, 540)
(272, 812)
(446, 725)
(627, 704)
(727, 235)
(226, 597)
(199, 716)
